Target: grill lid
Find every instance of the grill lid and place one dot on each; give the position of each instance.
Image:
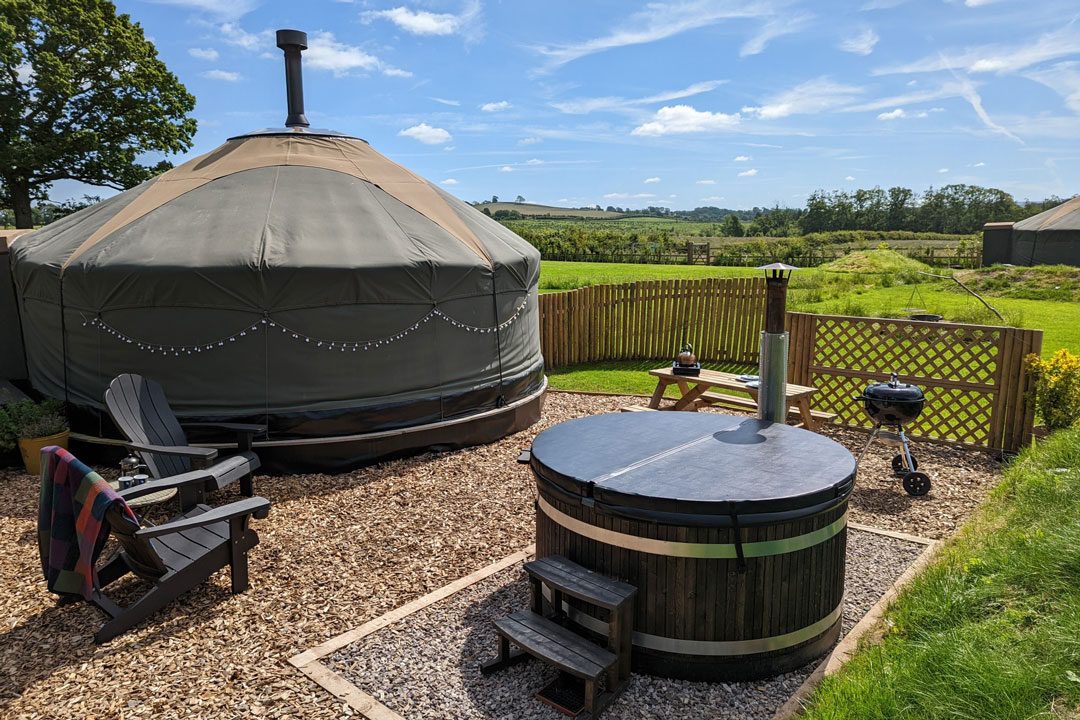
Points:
(894, 391)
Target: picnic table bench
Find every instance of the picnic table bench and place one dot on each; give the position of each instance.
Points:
(696, 393)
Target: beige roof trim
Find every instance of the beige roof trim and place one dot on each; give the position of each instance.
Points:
(345, 155)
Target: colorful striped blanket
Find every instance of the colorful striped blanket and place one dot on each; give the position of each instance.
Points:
(71, 522)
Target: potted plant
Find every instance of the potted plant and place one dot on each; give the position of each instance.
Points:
(33, 426)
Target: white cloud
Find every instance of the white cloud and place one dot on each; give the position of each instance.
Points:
(748, 173)
(810, 97)
(652, 180)
(506, 168)
(672, 196)
(496, 106)
(995, 58)
(583, 106)
(849, 178)
(1064, 79)
(530, 141)
(892, 114)
(706, 182)
(326, 53)
(427, 134)
(203, 53)
(444, 101)
(979, 164)
(943, 170)
(233, 34)
(741, 158)
(230, 9)
(657, 21)
(24, 73)
(778, 27)
(449, 181)
(711, 198)
(223, 75)
(679, 119)
(423, 22)
(534, 161)
(624, 196)
(861, 44)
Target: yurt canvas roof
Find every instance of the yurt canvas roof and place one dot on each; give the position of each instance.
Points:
(1052, 237)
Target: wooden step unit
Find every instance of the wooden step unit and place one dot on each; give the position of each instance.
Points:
(543, 637)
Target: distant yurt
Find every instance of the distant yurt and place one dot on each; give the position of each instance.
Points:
(1050, 238)
(296, 278)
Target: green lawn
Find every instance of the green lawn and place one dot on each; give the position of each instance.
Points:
(556, 276)
(1059, 321)
(629, 377)
(991, 629)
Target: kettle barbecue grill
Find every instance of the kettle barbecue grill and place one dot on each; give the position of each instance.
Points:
(896, 404)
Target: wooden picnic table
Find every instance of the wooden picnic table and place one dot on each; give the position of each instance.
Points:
(696, 393)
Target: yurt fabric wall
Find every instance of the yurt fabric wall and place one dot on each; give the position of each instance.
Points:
(305, 280)
(1049, 238)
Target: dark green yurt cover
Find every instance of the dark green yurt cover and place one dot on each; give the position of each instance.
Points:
(1050, 238)
(288, 277)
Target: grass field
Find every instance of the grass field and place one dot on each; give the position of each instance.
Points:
(991, 629)
(817, 291)
(556, 276)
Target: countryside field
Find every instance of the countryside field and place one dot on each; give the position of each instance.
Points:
(826, 292)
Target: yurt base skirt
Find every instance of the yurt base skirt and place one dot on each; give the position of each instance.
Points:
(699, 615)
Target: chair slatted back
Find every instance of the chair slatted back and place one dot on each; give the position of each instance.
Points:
(138, 407)
(140, 554)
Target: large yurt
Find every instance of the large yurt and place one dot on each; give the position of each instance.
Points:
(295, 278)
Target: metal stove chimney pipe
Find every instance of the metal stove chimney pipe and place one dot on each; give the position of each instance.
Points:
(772, 366)
(292, 42)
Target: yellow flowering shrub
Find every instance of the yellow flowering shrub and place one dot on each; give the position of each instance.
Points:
(1057, 388)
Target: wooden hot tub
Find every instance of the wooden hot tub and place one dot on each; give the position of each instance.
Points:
(733, 530)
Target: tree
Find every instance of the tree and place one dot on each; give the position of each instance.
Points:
(731, 227)
(519, 199)
(494, 198)
(82, 96)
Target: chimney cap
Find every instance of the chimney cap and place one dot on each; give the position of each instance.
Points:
(286, 38)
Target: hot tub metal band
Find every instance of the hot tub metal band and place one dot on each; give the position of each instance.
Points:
(705, 551)
(709, 647)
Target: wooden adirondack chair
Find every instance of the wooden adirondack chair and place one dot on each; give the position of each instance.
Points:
(138, 407)
(178, 555)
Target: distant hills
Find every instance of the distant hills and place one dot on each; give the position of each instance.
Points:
(530, 210)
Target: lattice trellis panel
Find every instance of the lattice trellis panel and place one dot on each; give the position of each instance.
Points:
(972, 375)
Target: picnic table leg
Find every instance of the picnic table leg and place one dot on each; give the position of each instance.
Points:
(689, 398)
(658, 394)
(808, 420)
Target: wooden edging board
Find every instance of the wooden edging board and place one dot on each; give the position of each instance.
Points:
(847, 646)
(310, 662)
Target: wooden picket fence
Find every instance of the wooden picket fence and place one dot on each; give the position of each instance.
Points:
(973, 375)
(720, 317)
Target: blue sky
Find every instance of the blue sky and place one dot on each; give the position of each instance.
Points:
(681, 104)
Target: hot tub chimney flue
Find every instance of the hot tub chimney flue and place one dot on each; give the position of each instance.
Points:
(772, 366)
(292, 42)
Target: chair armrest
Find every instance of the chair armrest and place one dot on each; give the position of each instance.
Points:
(194, 453)
(245, 432)
(198, 477)
(257, 506)
(236, 427)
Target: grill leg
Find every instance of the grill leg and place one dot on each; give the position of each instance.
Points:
(874, 434)
(908, 464)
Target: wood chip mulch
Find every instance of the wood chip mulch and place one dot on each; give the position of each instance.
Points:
(336, 551)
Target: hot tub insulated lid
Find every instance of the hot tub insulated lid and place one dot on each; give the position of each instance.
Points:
(694, 463)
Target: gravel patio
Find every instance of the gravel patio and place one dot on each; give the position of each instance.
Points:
(336, 552)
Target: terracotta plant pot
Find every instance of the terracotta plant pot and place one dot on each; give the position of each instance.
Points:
(31, 449)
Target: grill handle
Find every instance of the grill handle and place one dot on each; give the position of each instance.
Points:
(860, 397)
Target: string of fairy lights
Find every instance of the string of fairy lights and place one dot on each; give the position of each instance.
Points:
(269, 324)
